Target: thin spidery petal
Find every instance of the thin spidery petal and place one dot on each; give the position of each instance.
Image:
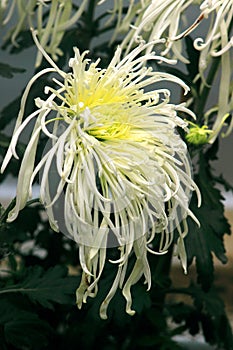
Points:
(115, 172)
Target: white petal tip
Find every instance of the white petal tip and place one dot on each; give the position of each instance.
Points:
(131, 312)
(103, 310)
(103, 316)
(12, 216)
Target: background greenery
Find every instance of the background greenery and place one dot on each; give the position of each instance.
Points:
(39, 269)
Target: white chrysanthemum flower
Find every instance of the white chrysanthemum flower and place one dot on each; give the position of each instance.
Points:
(115, 162)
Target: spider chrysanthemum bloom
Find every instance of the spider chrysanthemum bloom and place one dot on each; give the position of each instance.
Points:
(115, 161)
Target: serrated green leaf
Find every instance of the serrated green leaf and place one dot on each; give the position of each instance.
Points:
(207, 313)
(24, 41)
(45, 287)
(197, 246)
(7, 71)
(9, 113)
(29, 332)
(22, 228)
(5, 142)
(212, 316)
(185, 315)
(226, 184)
(193, 57)
(23, 329)
(202, 242)
(212, 152)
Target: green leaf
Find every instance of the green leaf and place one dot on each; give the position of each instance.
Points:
(215, 325)
(24, 41)
(5, 142)
(185, 315)
(45, 287)
(193, 57)
(226, 184)
(34, 337)
(202, 242)
(9, 113)
(14, 165)
(23, 329)
(207, 313)
(28, 219)
(155, 341)
(22, 228)
(7, 71)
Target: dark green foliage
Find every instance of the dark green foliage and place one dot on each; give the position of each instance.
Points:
(8, 71)
(207, 239)
(23, 40)
(44, 287)
(10, 112)
(42, 296)
(36, 289)
(193, 57)
(207, 314)
(22, 329)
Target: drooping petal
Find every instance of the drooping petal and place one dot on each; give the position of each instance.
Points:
(115, 173)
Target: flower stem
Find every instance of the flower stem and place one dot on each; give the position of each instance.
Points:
(204, 93)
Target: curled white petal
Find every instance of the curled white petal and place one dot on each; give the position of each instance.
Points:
(115, 172)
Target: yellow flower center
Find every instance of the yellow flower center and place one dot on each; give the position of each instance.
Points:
(110, 103)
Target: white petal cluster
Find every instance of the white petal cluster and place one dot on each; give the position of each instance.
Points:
(50, 28)
(115, 172)
(152, 20)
